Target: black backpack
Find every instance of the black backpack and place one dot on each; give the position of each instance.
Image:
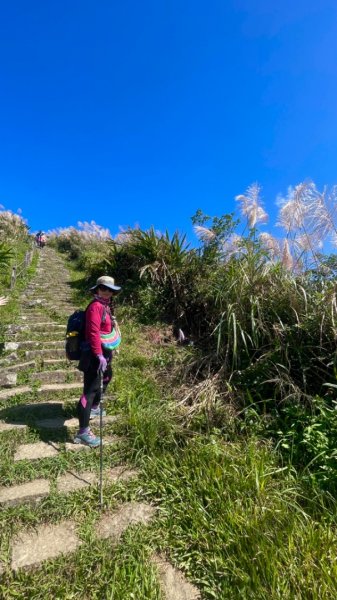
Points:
(75, 333)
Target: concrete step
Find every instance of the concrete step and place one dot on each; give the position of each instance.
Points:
(45, 542)
(40, 337)
(40, 450)
(11, 426)
(48, 299)
(40, 326)
(46, 415)
(30, 492)
(10, 359)
(29, 318)
(7, 379)
(57, 376)
(38, 364)
(173, 583)
(31, 344)
(29, 364)
(34, 491)
(48, 353)
(59, 422)
(37, 291)
(55, 361)
(19, 415)
(46, 390)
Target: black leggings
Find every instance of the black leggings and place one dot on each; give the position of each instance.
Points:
(91, 390)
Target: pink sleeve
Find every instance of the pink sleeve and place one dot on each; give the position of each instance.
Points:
(93, 321)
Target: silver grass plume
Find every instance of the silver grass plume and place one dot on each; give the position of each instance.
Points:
(286, 258)
(271, 244)
(205, 234)
(251, 206)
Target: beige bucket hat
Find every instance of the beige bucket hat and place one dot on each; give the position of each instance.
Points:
(108, 282)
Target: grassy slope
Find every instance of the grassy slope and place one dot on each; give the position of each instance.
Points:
(235, 520)
(237, 523)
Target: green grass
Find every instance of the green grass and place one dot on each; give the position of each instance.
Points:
(10, 311)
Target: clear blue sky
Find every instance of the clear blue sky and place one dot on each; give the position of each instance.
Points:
(142, 112)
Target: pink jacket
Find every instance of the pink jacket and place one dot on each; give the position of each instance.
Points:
(94, 326)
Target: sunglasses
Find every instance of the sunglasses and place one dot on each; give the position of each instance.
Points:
(105, 288)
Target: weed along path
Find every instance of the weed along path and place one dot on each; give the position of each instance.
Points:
(55, 541)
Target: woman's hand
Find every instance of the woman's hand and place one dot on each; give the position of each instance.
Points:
(3, 300)
(102, 363)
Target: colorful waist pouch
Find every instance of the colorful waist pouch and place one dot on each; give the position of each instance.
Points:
(111, 341)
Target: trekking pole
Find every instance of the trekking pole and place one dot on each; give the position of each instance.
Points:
(101, 441)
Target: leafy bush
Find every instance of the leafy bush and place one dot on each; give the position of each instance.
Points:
(152, 268)
(13, 228)
(5, 255)
(86, 245)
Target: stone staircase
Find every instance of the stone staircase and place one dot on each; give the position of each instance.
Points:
(39, 390)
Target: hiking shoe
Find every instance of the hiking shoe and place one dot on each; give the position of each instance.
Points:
(95, 412)
(88, 439)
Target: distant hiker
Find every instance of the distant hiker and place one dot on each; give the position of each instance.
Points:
(40, 239)
(96, 357)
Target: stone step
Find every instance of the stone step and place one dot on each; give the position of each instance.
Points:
(21, 366)
(39, 337)
(35, 294)
(30, 492)
(46, 415)
(32, 363)
(173, 583)
(47, 295)
(57, 376)
(113, 525)
(59, 422)
(41, 344)
(9, 360)
(66, 302)
(36, 490)
(36, 451)
(43, 389)
(36, 300)
(38, 344)
(20, 415)
(48, 353)
(40, 326)
(11, 426)
(71, 482)
(31, 317)
(32, 303)
(37, 291)
(55, 361)
(45, 542)
(39, 450)
(8, 380)
(37, 327)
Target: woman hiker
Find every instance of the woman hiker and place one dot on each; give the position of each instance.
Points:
(96, 356)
